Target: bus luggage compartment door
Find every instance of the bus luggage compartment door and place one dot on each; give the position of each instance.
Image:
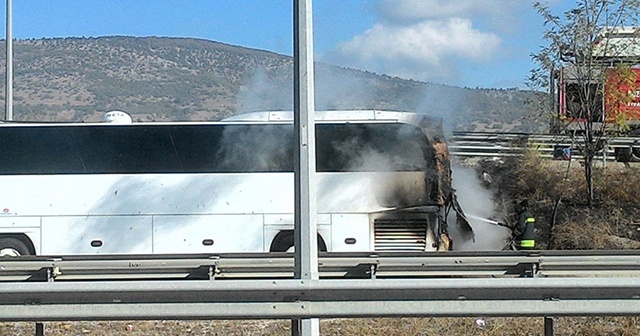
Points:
(71, 235)
(207, 233)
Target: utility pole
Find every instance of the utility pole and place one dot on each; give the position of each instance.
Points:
(8, 99)
(305, 214)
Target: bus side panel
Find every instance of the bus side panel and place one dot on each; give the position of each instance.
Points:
(9, 222)
(207, 233)
(96, 234)
(366, 192)
(351, 232)
(146, 194)
(181, 194)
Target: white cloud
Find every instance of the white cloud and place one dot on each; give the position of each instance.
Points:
(424, 50)
(411, 10)
(400, 10)
(431, 40)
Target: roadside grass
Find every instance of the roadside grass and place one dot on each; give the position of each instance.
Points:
(621, 326)
(557, 198)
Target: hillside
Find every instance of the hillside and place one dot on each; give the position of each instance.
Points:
(152, 78)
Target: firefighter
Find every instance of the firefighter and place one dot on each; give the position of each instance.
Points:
(524, 230)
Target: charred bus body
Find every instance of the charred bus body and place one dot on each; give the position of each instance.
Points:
(384, 184)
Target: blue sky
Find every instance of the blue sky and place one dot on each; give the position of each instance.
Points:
(472, 43)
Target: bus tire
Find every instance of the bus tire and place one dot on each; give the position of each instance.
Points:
(13, 247)
(623, 154)
(284, 242)
(635, 154)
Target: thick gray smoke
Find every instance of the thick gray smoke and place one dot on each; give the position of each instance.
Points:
(445, 102)
(477, 202)
(352, 90)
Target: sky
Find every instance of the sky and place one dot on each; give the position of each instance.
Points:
(466, 43)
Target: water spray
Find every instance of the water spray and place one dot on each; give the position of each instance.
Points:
(489, 221)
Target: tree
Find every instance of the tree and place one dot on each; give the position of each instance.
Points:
(582, 50)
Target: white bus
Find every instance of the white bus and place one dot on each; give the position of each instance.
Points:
(211, 187)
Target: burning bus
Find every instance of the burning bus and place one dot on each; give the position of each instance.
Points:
(383, 181)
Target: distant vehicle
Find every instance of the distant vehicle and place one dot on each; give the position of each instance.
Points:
(616, 46)
(383, 179)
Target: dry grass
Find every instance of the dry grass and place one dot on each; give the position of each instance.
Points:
(622, 326)
(573, 225)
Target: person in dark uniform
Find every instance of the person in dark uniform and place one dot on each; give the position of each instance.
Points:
(524, 230)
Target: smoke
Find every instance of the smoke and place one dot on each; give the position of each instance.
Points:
(352, 90)
(265, 91)
(339, 88)
(444, 102)
(477, 201)
(372, 155)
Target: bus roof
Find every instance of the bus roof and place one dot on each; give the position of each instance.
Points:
(363, 116)
(333, 115)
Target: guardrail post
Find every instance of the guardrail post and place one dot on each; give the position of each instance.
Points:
(39, 329)
(548, 320)
(534, 270)
(548, 326)
(528, 270)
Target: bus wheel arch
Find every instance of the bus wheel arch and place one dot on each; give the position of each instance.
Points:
(283, 242)
(16, 245)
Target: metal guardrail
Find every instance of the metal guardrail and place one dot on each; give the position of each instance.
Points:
(147, 300)
(519, 283)
(485, 144)
(331, 266)
(258, 266)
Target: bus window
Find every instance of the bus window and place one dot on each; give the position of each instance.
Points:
(370, 147)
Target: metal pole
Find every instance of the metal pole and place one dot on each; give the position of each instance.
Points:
(305, 224)
(8, 101)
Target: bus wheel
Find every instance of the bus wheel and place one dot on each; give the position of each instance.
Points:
(283, 242)
(635, 151)
(13, 247)
(623, 154)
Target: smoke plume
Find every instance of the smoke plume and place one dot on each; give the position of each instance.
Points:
(478, 202)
